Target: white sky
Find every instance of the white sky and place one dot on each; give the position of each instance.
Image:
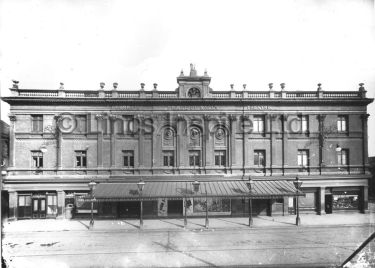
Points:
(82, 43)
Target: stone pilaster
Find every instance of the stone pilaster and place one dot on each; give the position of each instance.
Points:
(322, 201)
(12, 140)
(99, 119)
(284, 121)
(60, 204)
(140, 120)
(232, 138)
(180, 141)
(364, 199)
(13, 196)
(364, 141)
(273, 156)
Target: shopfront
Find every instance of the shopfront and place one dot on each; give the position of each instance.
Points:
(175, 199)
(38, 205)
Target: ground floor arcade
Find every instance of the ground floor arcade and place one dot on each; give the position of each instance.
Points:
(68, 203)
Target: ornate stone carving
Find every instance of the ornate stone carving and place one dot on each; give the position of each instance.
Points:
(232, 117)
(220, 134)
(194, 93)
(365, 117)
(12, 117)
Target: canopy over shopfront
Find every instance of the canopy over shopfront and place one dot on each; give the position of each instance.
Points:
(261, 189)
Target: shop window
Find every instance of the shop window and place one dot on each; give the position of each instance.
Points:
(194, 158)
(345, 200)
(128, 157)
(258, 124)
(260, 158)
(81, 159)
(220, 158)
(214, 205)
(307, 202)
(51, 205)
(303, 160)
(24, 206)
(37, 159)
(343, 157)
(342, 123)
(168, 158)
(37, 123)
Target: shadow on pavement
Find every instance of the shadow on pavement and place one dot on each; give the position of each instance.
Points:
(131, 224)
(178, 225)
(86, 226)
(273, 220)
(238, 223)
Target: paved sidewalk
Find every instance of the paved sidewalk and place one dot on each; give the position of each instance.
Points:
(46, 225)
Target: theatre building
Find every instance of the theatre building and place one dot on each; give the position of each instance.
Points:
(196, 150)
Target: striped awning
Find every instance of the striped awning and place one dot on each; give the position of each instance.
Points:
(262, 189)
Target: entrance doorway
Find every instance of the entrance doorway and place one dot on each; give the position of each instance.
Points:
(328, 203)
(39, 207)
(129, 209)
(175, 208)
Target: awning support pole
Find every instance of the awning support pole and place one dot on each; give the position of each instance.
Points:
(185, 219)
(250, 212)
(207, 223)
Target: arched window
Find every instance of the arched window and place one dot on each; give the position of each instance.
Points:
(195, 146)
(221, 147)
(169, 147)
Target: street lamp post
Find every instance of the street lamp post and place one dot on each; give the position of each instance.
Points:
(206, 223)
(250, 186)
(297, 183)
(140, 185)
(92, 185)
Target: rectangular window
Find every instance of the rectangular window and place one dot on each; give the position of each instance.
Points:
(51, 204)
(37, 159)
(168, 158)
(304, 123)
(24, 200)
(342, 123)
(128, 157)
(81, 121)
(260, 158)
(81, 159)
(37, 123)
(258, 124)
(343, 157)
(194, 158)
(221, 158)
(303, 160)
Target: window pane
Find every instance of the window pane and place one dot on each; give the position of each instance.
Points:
(171, 161)
(261, 125)
(262, 160)
(84, 161)
(21, 201)
(217, 162)
(197, 160)
(27, 200)
(191, 160)
(132, 161)
(223, 162)
(40, 162)
(344, 157)
(78, 161)
(165, 160)
(256, 159)
(339, 124)
(339, 158)
(299, 159)
(343, 124)
(42, 204)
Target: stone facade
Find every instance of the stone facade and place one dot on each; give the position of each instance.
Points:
(192, 132)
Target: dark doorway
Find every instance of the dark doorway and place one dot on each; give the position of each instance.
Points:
(328, 203)
(129, 209)
(39, 208)
(175, 208)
